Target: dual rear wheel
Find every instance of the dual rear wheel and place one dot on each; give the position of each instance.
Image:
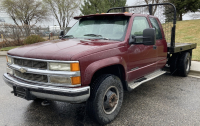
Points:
(180, 64)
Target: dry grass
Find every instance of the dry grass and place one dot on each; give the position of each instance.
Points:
(8, 48)
(189, 32)
(186, 32)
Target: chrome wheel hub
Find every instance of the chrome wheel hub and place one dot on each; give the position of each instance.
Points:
(111, 99)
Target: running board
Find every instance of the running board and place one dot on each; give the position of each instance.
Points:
(146, 78)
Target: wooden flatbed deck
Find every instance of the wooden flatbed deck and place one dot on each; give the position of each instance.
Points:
(180, 47)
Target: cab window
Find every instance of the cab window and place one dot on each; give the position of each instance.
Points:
(155, 25)
(139, 24)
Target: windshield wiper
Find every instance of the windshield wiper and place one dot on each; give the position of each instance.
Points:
(68, 36)
(95, 35)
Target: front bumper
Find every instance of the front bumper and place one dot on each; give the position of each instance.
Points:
(72, 95)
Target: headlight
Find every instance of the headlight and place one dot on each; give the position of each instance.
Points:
(59, 66)
(60, 80)
(65, 80)
(9, 59)
(64, 66)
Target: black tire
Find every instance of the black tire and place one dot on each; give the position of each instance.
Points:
(184, 64)
(106, 99)
(173, 64)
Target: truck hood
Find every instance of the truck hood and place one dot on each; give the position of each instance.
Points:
(63, 49)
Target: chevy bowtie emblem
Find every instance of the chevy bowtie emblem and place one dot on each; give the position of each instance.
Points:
(22, 70)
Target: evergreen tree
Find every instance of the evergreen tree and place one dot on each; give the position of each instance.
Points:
(169, 13)
(116, 3)
(96, 6)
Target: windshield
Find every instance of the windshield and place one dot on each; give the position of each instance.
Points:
(100, 27)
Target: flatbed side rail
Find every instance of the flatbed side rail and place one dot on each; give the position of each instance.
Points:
(180, 47)
(167, 9)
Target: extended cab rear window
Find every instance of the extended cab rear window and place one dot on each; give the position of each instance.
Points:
(155, 25)
(100, 27)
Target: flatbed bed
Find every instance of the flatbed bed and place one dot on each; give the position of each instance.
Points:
(180, 47)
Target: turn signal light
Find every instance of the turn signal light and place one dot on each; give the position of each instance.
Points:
(76, 80)
(75, 67)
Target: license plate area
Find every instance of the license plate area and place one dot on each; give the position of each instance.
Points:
(23, 93)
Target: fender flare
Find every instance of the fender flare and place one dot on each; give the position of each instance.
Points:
(97, 65)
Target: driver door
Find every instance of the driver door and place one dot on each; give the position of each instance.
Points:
(142, 58)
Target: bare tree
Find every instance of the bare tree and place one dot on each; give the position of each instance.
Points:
(63, 10)
(25, 12)
(154, 8)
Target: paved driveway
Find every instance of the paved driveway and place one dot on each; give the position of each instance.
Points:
(166, 100)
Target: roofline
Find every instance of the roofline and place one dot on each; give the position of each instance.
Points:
(105, 14)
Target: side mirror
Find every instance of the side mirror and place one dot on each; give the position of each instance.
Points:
(149, 36)
(62, 33)
(136, 39)
(132, 39)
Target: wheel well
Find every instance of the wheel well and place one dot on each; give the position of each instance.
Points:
(174, 60)
(117, 70)
(177, 54)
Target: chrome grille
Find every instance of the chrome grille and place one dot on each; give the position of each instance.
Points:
(31, 77)
(30, 63)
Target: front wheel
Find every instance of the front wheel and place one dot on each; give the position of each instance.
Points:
(105, 99)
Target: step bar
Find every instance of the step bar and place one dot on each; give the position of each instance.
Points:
(146, 78)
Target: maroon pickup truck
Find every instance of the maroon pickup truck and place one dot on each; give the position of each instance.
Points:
(101, 56)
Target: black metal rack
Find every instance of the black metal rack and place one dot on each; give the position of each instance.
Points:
(150, 6)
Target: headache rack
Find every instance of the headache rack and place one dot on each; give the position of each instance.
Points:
(166, 13)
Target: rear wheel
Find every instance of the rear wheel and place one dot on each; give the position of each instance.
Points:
(106, 99)
(184, 64)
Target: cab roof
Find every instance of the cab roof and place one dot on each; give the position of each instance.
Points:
(106, 14)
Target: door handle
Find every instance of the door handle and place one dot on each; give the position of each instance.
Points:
(154, 47)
